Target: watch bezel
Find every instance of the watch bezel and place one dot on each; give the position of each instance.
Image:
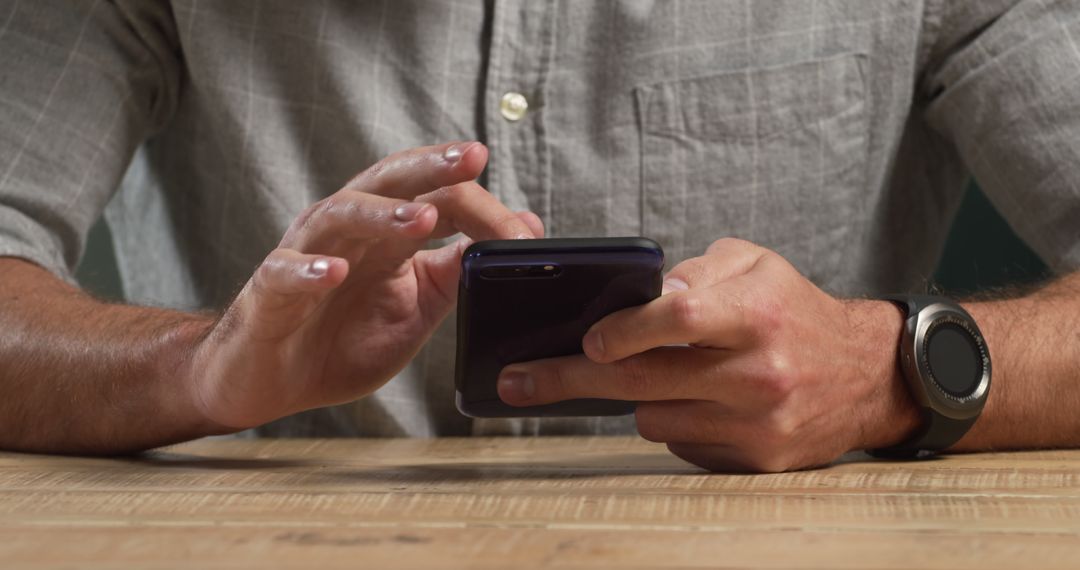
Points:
(925, 387)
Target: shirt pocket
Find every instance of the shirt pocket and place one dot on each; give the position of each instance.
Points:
(773, 155)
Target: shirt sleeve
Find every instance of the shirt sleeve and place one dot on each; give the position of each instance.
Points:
(1002, 83)
(82, 84)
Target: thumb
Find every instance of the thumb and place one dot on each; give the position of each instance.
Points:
(438, 270)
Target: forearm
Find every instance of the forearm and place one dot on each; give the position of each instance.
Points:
(83, 376)
(1034, 344)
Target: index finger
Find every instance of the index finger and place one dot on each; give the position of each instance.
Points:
(712, 317)
(470, 209)
(410, 173)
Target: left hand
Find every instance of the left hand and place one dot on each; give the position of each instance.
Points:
(773, 373)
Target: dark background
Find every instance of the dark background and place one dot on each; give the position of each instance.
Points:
(982, 253)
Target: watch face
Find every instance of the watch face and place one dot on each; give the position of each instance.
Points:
(955, 359)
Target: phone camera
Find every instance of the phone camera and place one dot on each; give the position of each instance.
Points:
(531, 271)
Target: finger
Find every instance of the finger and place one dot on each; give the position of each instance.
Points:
(416, 171)
(713, 436)
(670, 373)
(333, 225)
(437, 273)
(286, 288)
(707, 317)
(438, 270)
(287, 272)
(715, 458)
(723, 260)
(724, 438)
(470, 209)
(534, 222)
(731, 458)
(687, 421)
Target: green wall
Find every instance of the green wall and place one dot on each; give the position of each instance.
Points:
(97, 272)
(982, 253)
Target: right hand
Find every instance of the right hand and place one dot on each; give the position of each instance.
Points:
(348, 298)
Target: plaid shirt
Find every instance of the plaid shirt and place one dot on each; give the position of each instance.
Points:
(837, 132)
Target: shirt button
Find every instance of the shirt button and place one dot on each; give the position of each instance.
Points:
(513, 106)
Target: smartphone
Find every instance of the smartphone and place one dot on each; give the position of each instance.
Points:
(522, 300)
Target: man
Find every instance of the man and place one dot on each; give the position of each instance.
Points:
(834, 137)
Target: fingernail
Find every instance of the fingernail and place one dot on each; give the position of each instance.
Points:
(594, 343)
(319, 267)
(408, 212)
(674, 284)
(454, 153)
(516, 386)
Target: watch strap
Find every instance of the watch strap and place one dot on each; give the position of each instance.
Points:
(936, 432)
(912, 304)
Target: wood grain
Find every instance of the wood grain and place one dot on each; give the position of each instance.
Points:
(542, 502)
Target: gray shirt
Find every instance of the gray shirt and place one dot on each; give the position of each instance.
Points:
(837, 132)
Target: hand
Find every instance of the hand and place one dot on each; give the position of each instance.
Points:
(773, 374)
(348, 298)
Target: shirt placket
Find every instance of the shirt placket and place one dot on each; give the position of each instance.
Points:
(519, 59)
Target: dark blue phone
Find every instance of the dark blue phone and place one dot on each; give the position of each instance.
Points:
(522, 300)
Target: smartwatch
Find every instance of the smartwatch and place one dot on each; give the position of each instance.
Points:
(946, 364)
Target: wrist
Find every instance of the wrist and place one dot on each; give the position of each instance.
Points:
(989, 428)
(179, 377)
(886, 411)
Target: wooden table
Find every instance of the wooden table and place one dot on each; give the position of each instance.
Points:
(518, 503)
